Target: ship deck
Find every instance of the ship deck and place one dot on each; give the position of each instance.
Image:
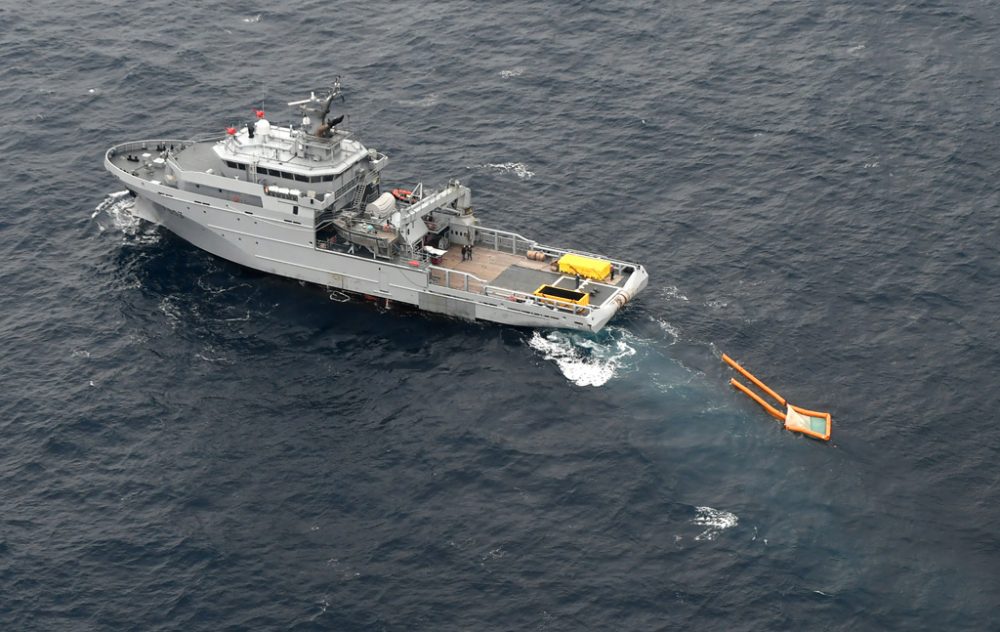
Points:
(198, 157)
(147, 159)
(518, 273)
(140, 162)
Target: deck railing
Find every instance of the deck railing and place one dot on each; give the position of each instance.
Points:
(505, 241)
(456, 280)
(502, 240)
(173, 144)
(523, 297)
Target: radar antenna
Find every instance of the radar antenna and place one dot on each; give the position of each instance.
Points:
(316, 108)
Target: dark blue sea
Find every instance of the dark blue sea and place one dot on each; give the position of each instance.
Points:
(186, 444)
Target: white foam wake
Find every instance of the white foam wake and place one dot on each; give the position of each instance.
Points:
(715, 522)
(668, 329)
(424, 102)
(584, 361)
(114, 214)
(672, 292)
(518, 168)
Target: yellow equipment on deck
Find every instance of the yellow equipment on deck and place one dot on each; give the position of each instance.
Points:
(588, 267)
(563, 295)
(808, 422)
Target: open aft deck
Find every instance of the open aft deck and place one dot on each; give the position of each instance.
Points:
(494, 268)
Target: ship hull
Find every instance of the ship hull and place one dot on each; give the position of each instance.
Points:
(241, 234)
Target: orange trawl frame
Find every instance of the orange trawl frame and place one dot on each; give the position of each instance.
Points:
(771, 410)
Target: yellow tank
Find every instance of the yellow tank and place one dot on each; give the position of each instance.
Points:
(588, 267)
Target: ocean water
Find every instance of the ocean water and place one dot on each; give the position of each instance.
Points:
(191, 445)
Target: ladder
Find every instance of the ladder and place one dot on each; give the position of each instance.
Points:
(359, 191)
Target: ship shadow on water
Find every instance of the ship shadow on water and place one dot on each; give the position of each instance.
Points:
(201, 294)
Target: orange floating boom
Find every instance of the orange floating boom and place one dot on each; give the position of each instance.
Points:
(760, 385)
(755, 397)
(802, 420)
(811, 413)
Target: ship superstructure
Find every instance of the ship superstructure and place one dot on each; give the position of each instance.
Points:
(306, 201)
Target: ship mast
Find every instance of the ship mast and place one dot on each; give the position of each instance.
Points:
(315, 110)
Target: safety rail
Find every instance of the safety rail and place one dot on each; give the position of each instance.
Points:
(456, 280)
(325, 218)
(558, 252)
(618, 267)
(411, 255)
(316, 145)
(362, 181)
(503, 241)
(275, 143)
(207, 137)
(173, 144)
(144, 145)
(523, 297)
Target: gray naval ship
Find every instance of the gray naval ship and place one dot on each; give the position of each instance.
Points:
(307, 202)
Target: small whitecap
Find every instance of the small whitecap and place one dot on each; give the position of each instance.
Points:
(668, 329)
(518, 168)
(495, 554)
(252, 19)
(424, 102)
(512, 72)
(168, 307)
(671, 291)
(715, 522)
